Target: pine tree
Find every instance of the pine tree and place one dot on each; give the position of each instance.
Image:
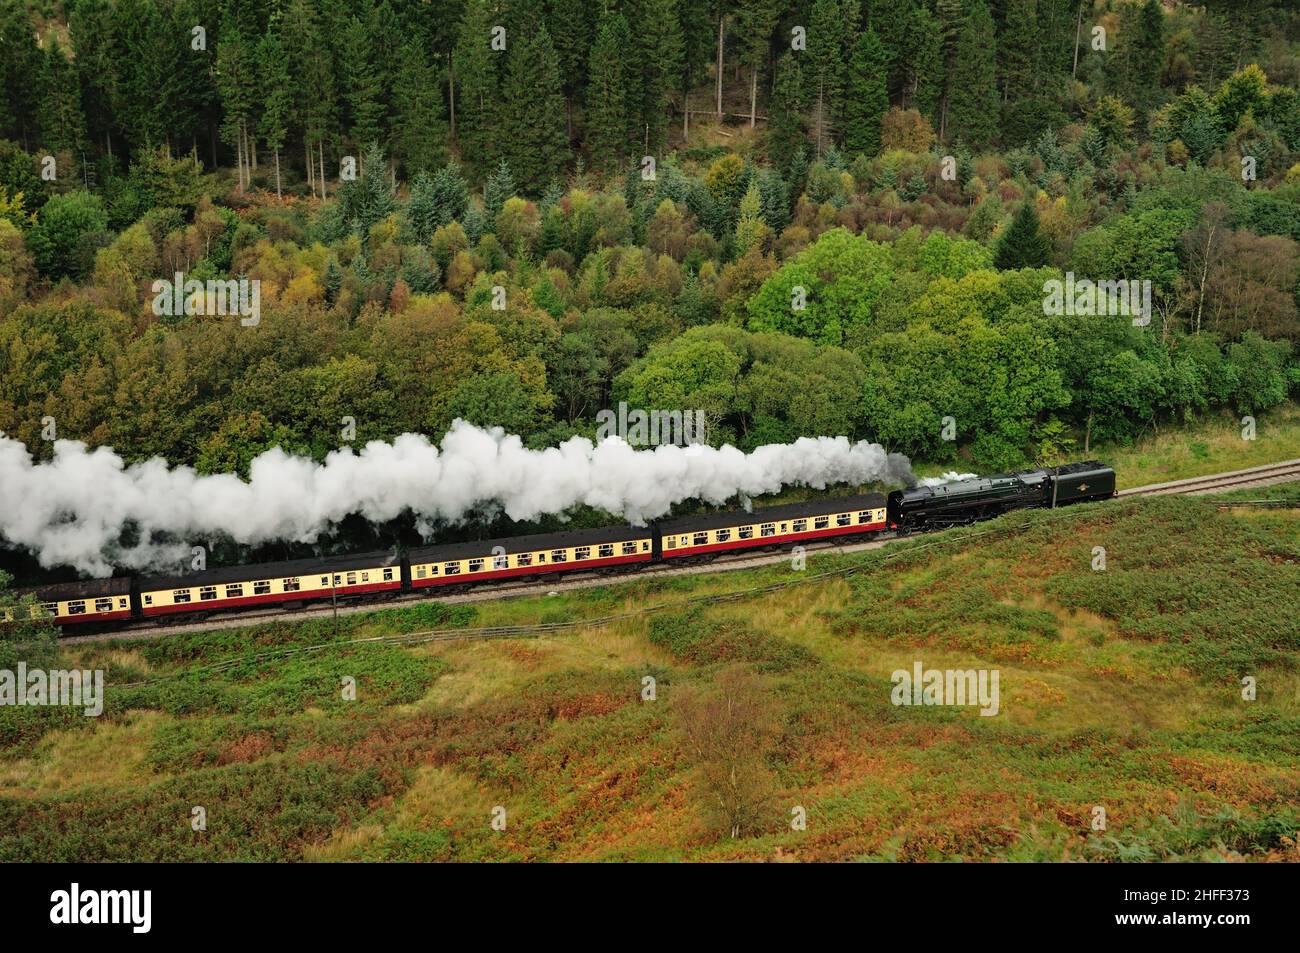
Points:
(500, 186)
(1022, 245)
(478, 70)
(606, 115)
(825, 73)
(420, 132)
(277, 97)
(1018, 51)
(572, 25)
(533, 111)
(697, 46)
(237, 82)
(63, 127)
(662, 58)
(973, 96)
(867, 99)
(785, 135)
(755, 20)
(362, 87)
(91, 24)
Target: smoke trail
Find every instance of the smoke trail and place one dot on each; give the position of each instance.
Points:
(73, 509)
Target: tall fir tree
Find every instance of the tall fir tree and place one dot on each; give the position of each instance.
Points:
(866, 98)
(277, 97)
(755, 20)
(478, 71)
(606, 113)
(90, 24)
(662, 54)
(785, 134)
(420, 129)
(362, 88)
(63, 127)
(237, 83)
(825, 72)
(973, 96)
(533, 111)
(1019, 51)
(572, 24)
(1022, 245)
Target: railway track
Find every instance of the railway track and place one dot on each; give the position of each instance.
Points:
(1267, 475)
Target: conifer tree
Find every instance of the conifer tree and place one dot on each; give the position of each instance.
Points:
(662, 57)
(785, 135)
(1022, 245)
(755, 20)
(973, 98)
(867, 99)
(420, 131)
(277, 97)
(237, 82)
(500, 186)
(606, 114)
(533, 111)
(63, 127)
(478, 71)
(1019, 51)
(825, 73)
(361, 87)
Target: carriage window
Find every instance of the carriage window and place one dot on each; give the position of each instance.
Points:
(207, 592)
(629, 549)
(724, 535)
(121, 603)
(541, 557)
(821, 522)
(52, 608)
(183, 595)
(605, 551)
(524, 559)
(76, 608)
(103, 605)
(419, 572)
(148, 600)
(365, 577)
(745, 532)
(352, 579)
(451, 569)
(669, 543)
(559, 556)
(800, 526)
(388, 575)
(234, 592)
(324, 580)
(476, 565)
(500, 561)
(291, 584)
(699, 539)
(843, 519)
(864, 516)
(767, 529)
(582, 552)
(683, 540)
(261, 588)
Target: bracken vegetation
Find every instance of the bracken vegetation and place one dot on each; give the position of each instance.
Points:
(1120, 689)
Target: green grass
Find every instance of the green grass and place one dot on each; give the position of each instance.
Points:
(1120, 689)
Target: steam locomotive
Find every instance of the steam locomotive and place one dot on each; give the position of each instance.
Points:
(456, 567)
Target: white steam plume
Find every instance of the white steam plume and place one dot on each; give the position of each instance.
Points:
(72, 510)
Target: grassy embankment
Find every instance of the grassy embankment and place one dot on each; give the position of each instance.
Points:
(1119, 689)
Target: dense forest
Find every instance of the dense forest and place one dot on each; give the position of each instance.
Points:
(560, 206)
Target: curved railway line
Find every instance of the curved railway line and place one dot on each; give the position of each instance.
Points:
(1261, 476)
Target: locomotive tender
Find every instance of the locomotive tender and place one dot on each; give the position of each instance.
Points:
(456, 567)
